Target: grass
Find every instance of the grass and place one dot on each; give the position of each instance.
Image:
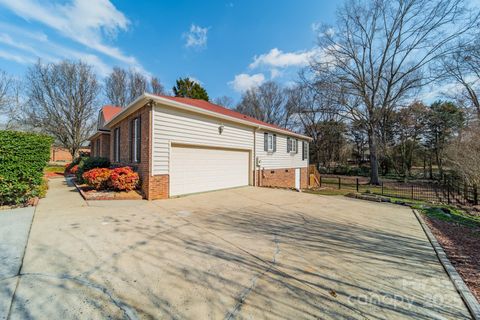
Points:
(54, 168)
(329, 192)
(451, 214)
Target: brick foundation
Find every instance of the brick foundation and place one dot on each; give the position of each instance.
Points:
(158, 187)
(281, 178)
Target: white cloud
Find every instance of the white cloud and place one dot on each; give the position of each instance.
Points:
(316, 26)
(15, 57)
(86, 22)
(278, 58)
(27, 47)
(243, 81)
(275, 73)
(196, 37)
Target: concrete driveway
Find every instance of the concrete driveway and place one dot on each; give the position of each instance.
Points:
(247, 253)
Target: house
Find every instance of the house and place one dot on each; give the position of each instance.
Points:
(61, 154)
(181, 146)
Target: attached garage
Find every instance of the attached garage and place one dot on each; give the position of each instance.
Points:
(200, 169)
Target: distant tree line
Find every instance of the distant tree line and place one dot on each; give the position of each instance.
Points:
(359, 99)
(62, 99)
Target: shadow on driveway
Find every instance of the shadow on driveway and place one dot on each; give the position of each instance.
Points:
(243, 253)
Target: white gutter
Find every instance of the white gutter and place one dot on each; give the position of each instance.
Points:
(147, 96)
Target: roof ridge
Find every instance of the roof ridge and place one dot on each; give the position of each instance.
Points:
(227, 111)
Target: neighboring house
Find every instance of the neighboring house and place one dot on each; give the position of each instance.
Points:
(181, 146)
(60, 154)
(100, 141)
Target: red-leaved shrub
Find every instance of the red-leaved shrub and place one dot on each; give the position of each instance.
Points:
(97, 178)
(74, 169)
(67, 168)
(123, 179)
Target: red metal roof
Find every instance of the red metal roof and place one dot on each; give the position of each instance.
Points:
(110, 111)
(205, 105)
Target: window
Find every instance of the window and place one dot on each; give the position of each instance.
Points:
(135, 140)
(116, 145)
(292, 145)
(304, 150)
(270, 142)
(97, 147)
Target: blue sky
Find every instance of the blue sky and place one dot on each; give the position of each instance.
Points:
(226, 45)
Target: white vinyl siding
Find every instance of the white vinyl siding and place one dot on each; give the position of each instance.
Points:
(281, 158)
(180, 127)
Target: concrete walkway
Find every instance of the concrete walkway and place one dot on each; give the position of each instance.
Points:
(14, 228)
(247, 253)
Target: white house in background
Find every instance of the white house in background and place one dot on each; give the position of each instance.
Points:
(181, 146)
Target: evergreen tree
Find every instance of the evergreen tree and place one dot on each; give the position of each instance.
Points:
(189, 89)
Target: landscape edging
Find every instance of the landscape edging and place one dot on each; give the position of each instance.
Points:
(468, 298)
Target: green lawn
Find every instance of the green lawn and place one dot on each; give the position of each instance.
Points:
(54, 168)
(329, 192)
(451, 214)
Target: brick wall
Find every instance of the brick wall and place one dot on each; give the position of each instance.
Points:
(60, 154)
(93, 147)
(281, 178)
(142, 167)
(105, 145)
(158, 187)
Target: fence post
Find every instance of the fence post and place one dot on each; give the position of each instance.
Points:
(339, 183)
(412, 193)
(475, 195)
(382, 188)
(448, 193)
(357, 184)
(320, 182)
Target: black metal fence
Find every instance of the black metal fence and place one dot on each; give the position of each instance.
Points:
(447, 191)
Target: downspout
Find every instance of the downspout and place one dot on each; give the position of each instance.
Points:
(255, 182)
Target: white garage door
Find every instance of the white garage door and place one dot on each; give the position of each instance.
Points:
(202, 169)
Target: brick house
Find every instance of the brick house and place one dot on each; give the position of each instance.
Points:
(61, 154)
(181, 146)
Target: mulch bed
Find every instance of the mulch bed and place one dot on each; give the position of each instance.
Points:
(89, 193)
(462, 246)
(53, 175)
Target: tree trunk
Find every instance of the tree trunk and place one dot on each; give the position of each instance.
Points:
(372, 146)
(74, 152)
(430, 166)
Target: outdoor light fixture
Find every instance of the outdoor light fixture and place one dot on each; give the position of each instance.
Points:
(220, 129)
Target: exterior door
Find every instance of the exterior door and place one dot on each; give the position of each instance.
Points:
(297, 179)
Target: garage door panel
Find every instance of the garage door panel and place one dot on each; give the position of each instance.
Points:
(202, 169)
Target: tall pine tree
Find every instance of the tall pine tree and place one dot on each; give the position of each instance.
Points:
(189, 89)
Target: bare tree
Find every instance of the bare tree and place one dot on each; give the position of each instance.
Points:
(266, 103)
(380, 52)
(124, 86)
(314, 110)
(463, 154)
(63, 101)
(156, 87)
(5, 87)
(16, 102)
(116, 87)
(463, 67)
(137, 85)
(224, 101)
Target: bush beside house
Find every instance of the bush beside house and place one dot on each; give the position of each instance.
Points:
(23, 156)
(119, 179)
